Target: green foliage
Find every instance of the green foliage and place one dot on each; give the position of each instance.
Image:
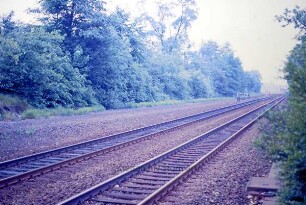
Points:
(273, 128)
(82, 55)
(197, 87)
(284, 133)
(109, 49)
(11, 106)
(152, 104)
(295, 164)
(223, 71)
(167, 71)
(115, 76)
(34, 67)
(12, 101)
(252, 81)
(6, 23)
(295, 17)
(70, 18)
(172, 102)
(60, 111)
(283, 137)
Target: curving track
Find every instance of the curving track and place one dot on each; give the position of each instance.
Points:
(23, 168)
(148, 182)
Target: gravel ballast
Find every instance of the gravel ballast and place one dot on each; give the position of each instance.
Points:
(58, 185)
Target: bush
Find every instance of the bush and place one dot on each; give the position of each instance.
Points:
(284, 139)
(31, 114)
(273, 127)
(11, 106)
(284, 133)
(13, 101)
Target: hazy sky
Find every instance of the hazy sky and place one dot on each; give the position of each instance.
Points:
(248, 25)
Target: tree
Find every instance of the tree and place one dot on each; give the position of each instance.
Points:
(85, 51)
(167, 73)
(116, 53)
(168, 29)
(200, 71)
(106, 48)
(70, 18)
(197, 87)
(284, 136)
(167, 32)
(295, 71)
(7, 24)
(297, 17)
(253, 81)
(226, 73)
(34, 66)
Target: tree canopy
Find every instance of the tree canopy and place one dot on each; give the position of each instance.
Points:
(82, 54)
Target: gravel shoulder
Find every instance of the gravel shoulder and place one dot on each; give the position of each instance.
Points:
(19, 138)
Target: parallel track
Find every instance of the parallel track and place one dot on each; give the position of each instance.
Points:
(149, 181)
(16, 170)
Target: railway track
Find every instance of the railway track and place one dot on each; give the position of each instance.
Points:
(16, 170)
(151, 180)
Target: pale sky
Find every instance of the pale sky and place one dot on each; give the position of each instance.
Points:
(248, 25)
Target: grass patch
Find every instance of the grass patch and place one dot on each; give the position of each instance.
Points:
(45, 113)
(174, 102)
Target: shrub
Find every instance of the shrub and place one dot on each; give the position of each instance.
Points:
(11, 106)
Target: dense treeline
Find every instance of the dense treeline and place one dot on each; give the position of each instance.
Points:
(80, 54)
(284, 136)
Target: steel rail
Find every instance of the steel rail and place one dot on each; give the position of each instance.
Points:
(26, 167)
(113, 184)
(162, 191)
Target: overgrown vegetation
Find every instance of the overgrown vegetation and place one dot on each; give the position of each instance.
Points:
(82, 55)
(44, 113)
(11, 106)
(284, 132)
(172, 102)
